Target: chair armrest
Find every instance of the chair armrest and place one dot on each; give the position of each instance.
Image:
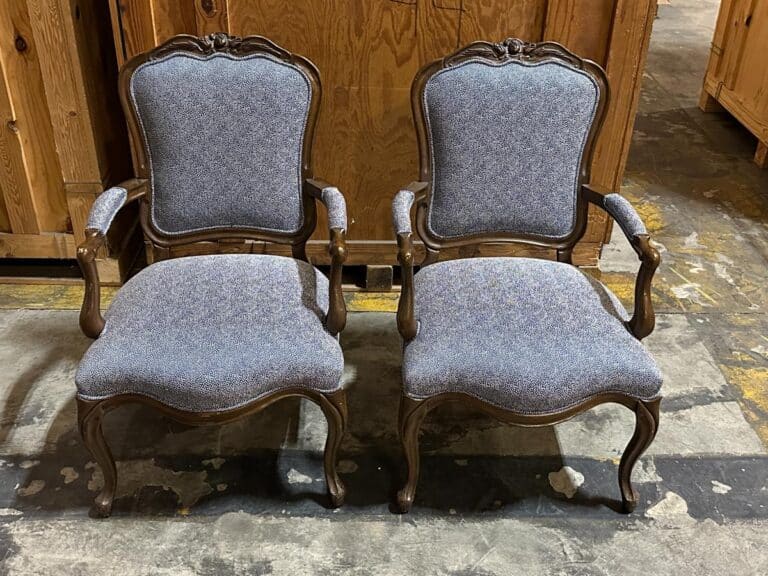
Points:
(643, 319)
(336, 206)
(100, 218)
(401, 220)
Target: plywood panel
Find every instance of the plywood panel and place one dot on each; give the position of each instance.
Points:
(174, 17)
(582, 26)
(367, 54)
(482, 20)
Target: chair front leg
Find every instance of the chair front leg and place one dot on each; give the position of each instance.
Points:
(335, 409)
(412, 414)
(646, 426)
(89, 417)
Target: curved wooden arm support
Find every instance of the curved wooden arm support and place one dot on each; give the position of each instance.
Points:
(337, 309)
(337, 248)
(91, 320)
(406, 319)
(644, 319)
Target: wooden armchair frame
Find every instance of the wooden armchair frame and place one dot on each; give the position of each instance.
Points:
(413, 411)
(159, 246)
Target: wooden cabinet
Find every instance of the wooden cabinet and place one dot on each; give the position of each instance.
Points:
(368, 51)
(737, 75)
(62, 137)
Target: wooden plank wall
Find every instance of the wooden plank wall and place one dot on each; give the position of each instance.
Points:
(62, 137)
(368, 52)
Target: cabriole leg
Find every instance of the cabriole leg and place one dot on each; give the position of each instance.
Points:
(646, 425)
(335, 410)
(412, 413)
(89, 416)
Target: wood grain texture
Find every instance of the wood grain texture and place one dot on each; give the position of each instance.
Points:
(35, 201)
(627, 50)
(37, 245)
(211, 16)
(174, 17)
(64, 89)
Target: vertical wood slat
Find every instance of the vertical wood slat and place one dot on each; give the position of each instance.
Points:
(632, 24)
(64, 90)
(138, 25)
(5, 223)
(33, 186)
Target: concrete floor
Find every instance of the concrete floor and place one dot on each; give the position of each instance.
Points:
(248, 498)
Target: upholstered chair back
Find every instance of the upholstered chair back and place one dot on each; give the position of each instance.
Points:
(223, 136)
(506, 142)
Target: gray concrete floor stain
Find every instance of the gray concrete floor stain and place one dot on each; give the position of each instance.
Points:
(249, 497)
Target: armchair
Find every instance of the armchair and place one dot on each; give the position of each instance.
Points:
(506, 135)
(224, 129)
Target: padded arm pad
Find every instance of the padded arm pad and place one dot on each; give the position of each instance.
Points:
(336, 206)
(105, 208)
(401, 211)
(625, 215)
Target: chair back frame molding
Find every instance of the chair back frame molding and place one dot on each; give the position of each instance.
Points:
(160, 243)
(498, 54)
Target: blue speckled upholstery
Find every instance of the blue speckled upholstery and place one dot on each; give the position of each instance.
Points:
(336, 206)
(210, 333)
(507, 143)
(401, 212)
(527, 335)
(105, 208)
(225, 137)
(625, 215)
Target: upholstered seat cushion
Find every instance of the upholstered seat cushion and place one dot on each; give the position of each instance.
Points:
(527, 335)
(210, 333)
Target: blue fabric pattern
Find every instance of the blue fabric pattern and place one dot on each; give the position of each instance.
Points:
(507, 143)
(401, 212)
(625, 215)
(105, 208)
(336, 206)
(527, 335)
(223, 162)
(211, 333)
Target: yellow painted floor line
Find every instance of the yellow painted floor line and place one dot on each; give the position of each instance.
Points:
(70, 297)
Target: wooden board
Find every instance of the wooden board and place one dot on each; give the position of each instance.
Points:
(737, 75)
(368, 53)
(62, 135)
